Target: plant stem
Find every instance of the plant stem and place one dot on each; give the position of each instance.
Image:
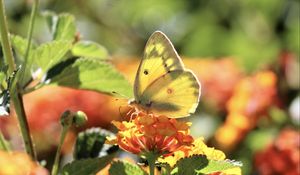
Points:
(3, 143)
(16, 96)
(29, 34)
(6, 47)
(21, 115)
(151, 158)
(58, 151)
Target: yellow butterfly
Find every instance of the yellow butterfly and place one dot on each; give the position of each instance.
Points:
(162, 85)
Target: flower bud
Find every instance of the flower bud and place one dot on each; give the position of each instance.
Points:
(69, 118)
(80, 118)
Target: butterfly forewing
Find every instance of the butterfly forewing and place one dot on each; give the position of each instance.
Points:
(159, 58)
(162, 84)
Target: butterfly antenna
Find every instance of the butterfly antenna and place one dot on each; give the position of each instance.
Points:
(121, 95)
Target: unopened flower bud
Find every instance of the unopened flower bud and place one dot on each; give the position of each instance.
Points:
(69, 118)
(80, 118)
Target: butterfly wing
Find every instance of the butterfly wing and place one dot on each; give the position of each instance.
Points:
(175, 94)
(159, 58)
(162, 84)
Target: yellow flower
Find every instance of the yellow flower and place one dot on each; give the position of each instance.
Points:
(152, 133)
(197, 147)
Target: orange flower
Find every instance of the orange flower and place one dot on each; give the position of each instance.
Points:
(282, 156)
(152, 133)
(19, 163)
(251, 99)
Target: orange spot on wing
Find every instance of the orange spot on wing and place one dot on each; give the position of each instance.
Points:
(169, 91)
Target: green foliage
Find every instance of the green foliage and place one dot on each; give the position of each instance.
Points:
(44, 56)
(125, 168)
(95, 75)
(89, 49)
(199, 164)
(57, 61)
(218, 166)
(189, 165)
(91, 143)
(86, 166)
(49, 54)
(20, 44)
(64, 26)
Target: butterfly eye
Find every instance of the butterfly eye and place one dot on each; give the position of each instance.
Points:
(146, 72)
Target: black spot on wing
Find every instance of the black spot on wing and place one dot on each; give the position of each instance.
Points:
(146, 72)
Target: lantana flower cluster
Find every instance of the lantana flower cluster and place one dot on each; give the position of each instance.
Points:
(152, 133)
(252, 98)
(283, 155)
(166, 137)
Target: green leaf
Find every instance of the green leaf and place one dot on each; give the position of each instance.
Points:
(51, 19)
(89, 49)
(199, 164)
(125, 168)
(49, 54)
(20, 45)
(90, 144)
(65, 28)
(94, 75)
(189, 165)
(86, 166)
(219, 166)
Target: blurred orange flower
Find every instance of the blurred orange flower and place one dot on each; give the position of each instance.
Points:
(17, 163)
(218, 78)
(152, 133)
(283, 155)
(251, 99)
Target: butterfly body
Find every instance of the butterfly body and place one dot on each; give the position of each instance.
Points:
(162, 84)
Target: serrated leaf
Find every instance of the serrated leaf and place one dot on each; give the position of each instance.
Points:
(86, 166)
(89, 49)
(51, 20)
(91, 143)
(94, 75)
(189, 165)
(49, 54)
(221, 166)
(125, 168)
(65, 28)
(20, 45)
